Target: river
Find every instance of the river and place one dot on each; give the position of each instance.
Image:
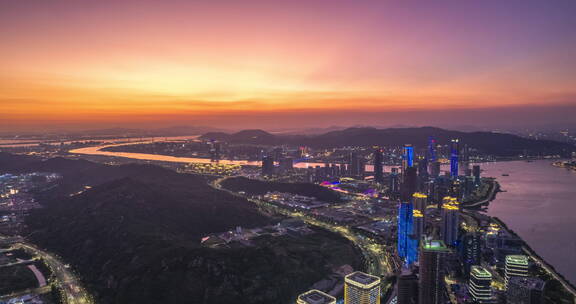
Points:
(539, 205)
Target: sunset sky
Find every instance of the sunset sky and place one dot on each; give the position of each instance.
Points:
(237, 63)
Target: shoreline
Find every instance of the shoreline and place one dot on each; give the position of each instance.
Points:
(565, 165)
(571, 288)
(541, 262)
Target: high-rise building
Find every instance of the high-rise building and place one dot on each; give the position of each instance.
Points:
(525, 290)
(480, 285)
(434, 168)
(476, 174)
(516, 266)
(409, 183)
(315, 297)
(417, 226)
(394, 186)
(214, 151)
(407, 245)
(361, 288)
(357, 165)
(286, 164)
(267, 165)
(407, 287)
(471, 250)
(432, 258)
(454, 155)
(378, 167)
(464, 160)
(431, 156)
(450, 221)
(407, 158)
(420, 201)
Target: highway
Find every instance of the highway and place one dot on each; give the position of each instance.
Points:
(73, 292)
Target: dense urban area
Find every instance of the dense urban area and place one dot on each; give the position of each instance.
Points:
(382, 223)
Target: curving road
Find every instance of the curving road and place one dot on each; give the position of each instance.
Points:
(73, 292)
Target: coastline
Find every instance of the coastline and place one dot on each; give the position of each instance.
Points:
(570, 165)
(541, 262)
(571, 288)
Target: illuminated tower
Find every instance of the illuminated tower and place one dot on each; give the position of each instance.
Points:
(454, 154)
(361, 288)
(450, 221)
(516, 266)
(432, 259)
(378, 168)
(480, 285)
(407, 158)
(315, 297)
(407, 245)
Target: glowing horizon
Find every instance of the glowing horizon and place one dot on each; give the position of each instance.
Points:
(139, 61)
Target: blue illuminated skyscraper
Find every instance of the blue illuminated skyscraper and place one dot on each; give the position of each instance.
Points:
(408, 157)
(454, 154)
(407, 243)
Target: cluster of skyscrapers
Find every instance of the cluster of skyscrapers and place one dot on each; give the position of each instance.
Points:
(430, 235)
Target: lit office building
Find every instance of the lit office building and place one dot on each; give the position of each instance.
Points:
(407, 245)
(454, 155)
(516, 266)
(525, 290)
(471, 250)
(432, 258)
(480, 285)
(450, 222)
(315, 297)
(361, 288)
(420, 201)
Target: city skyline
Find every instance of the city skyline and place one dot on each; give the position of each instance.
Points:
(80, 64)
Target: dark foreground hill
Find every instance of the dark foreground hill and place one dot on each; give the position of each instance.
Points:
(499, 144)
(134, 237)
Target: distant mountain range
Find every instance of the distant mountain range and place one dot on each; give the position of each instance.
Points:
(499, 144)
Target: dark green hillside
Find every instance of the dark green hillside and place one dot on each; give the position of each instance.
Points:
(139, 243)
(134, 237)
